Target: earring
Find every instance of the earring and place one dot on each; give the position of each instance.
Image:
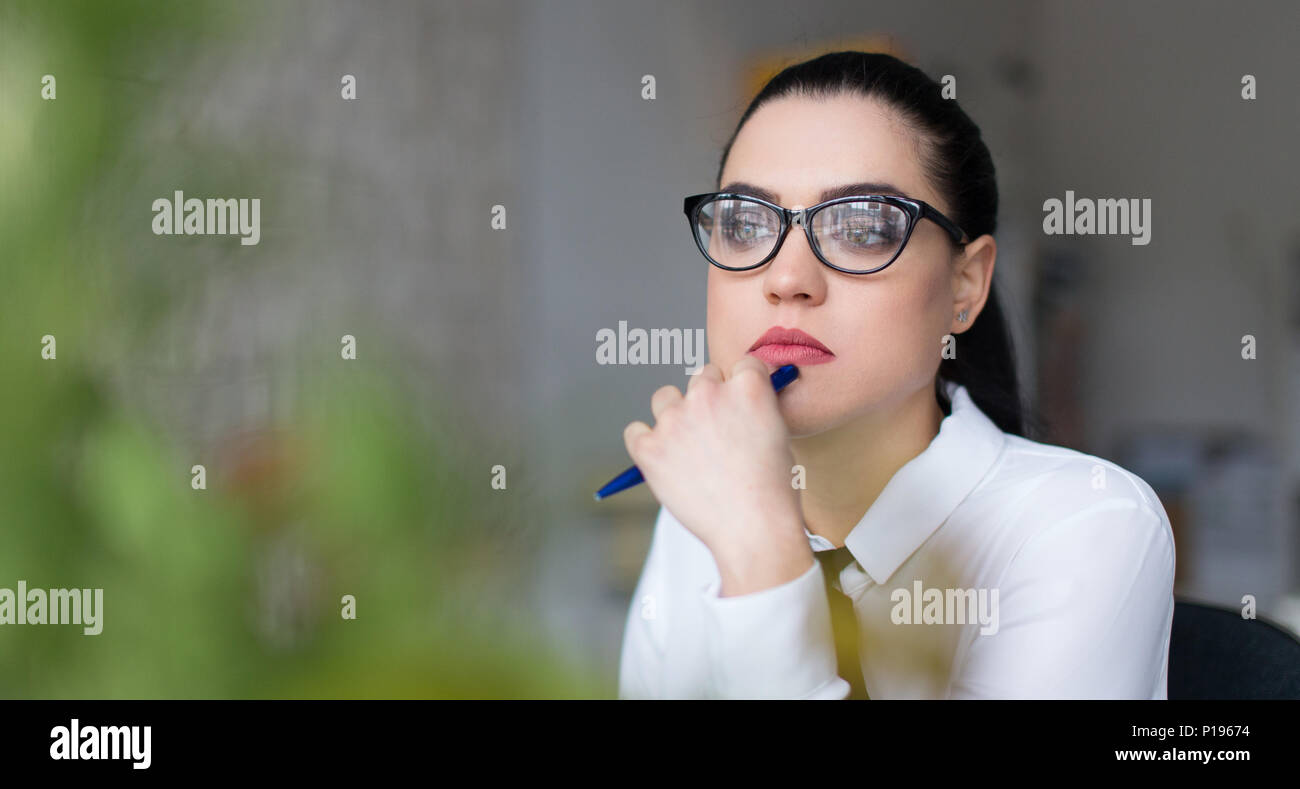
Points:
(961, 316)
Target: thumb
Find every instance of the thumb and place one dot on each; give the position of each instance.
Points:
(750, 364)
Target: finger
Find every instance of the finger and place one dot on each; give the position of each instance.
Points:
(709, 372)
(664, 397)
(632, 434)
(749, 365)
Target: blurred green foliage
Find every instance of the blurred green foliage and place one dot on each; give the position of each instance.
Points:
(233, 591)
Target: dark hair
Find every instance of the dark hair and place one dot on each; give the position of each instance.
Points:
(957, 163)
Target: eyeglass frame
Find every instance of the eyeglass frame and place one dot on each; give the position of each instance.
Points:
(915, 209)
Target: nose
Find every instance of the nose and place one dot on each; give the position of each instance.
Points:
(795, 274)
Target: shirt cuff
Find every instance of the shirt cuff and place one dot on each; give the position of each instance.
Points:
(775, 643)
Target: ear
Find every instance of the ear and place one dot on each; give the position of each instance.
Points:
(972, 277)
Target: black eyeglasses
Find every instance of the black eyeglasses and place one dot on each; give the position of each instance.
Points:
(860, 234)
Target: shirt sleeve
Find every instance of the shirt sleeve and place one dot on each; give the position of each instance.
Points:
(1085, 611)
(641, 663)
(775, 643)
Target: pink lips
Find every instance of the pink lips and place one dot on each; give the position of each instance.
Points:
(779, 346)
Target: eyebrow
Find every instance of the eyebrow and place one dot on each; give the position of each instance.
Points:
(845, 190)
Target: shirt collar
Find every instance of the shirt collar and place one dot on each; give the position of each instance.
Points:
(924, 492)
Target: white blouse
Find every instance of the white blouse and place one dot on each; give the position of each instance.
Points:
(990, 566)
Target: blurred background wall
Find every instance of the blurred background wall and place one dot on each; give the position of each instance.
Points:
(476, 344)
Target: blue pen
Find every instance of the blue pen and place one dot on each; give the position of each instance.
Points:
(783, 376)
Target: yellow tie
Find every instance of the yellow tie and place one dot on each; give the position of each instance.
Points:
(844, 622)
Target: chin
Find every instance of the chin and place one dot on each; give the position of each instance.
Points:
(803, 420)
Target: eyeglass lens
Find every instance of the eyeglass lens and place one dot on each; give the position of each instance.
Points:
(858, 235)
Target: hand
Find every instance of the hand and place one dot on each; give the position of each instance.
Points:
(718, 459)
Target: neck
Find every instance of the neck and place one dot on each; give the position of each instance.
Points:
(849, 466)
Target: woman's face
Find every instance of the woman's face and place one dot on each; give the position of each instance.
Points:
(884, 330)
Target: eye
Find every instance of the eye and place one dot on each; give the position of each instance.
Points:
(745, 227)
(865, 231)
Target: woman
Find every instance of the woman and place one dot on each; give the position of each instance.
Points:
(895, 472)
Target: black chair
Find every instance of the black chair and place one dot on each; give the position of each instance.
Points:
(1215, 654)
